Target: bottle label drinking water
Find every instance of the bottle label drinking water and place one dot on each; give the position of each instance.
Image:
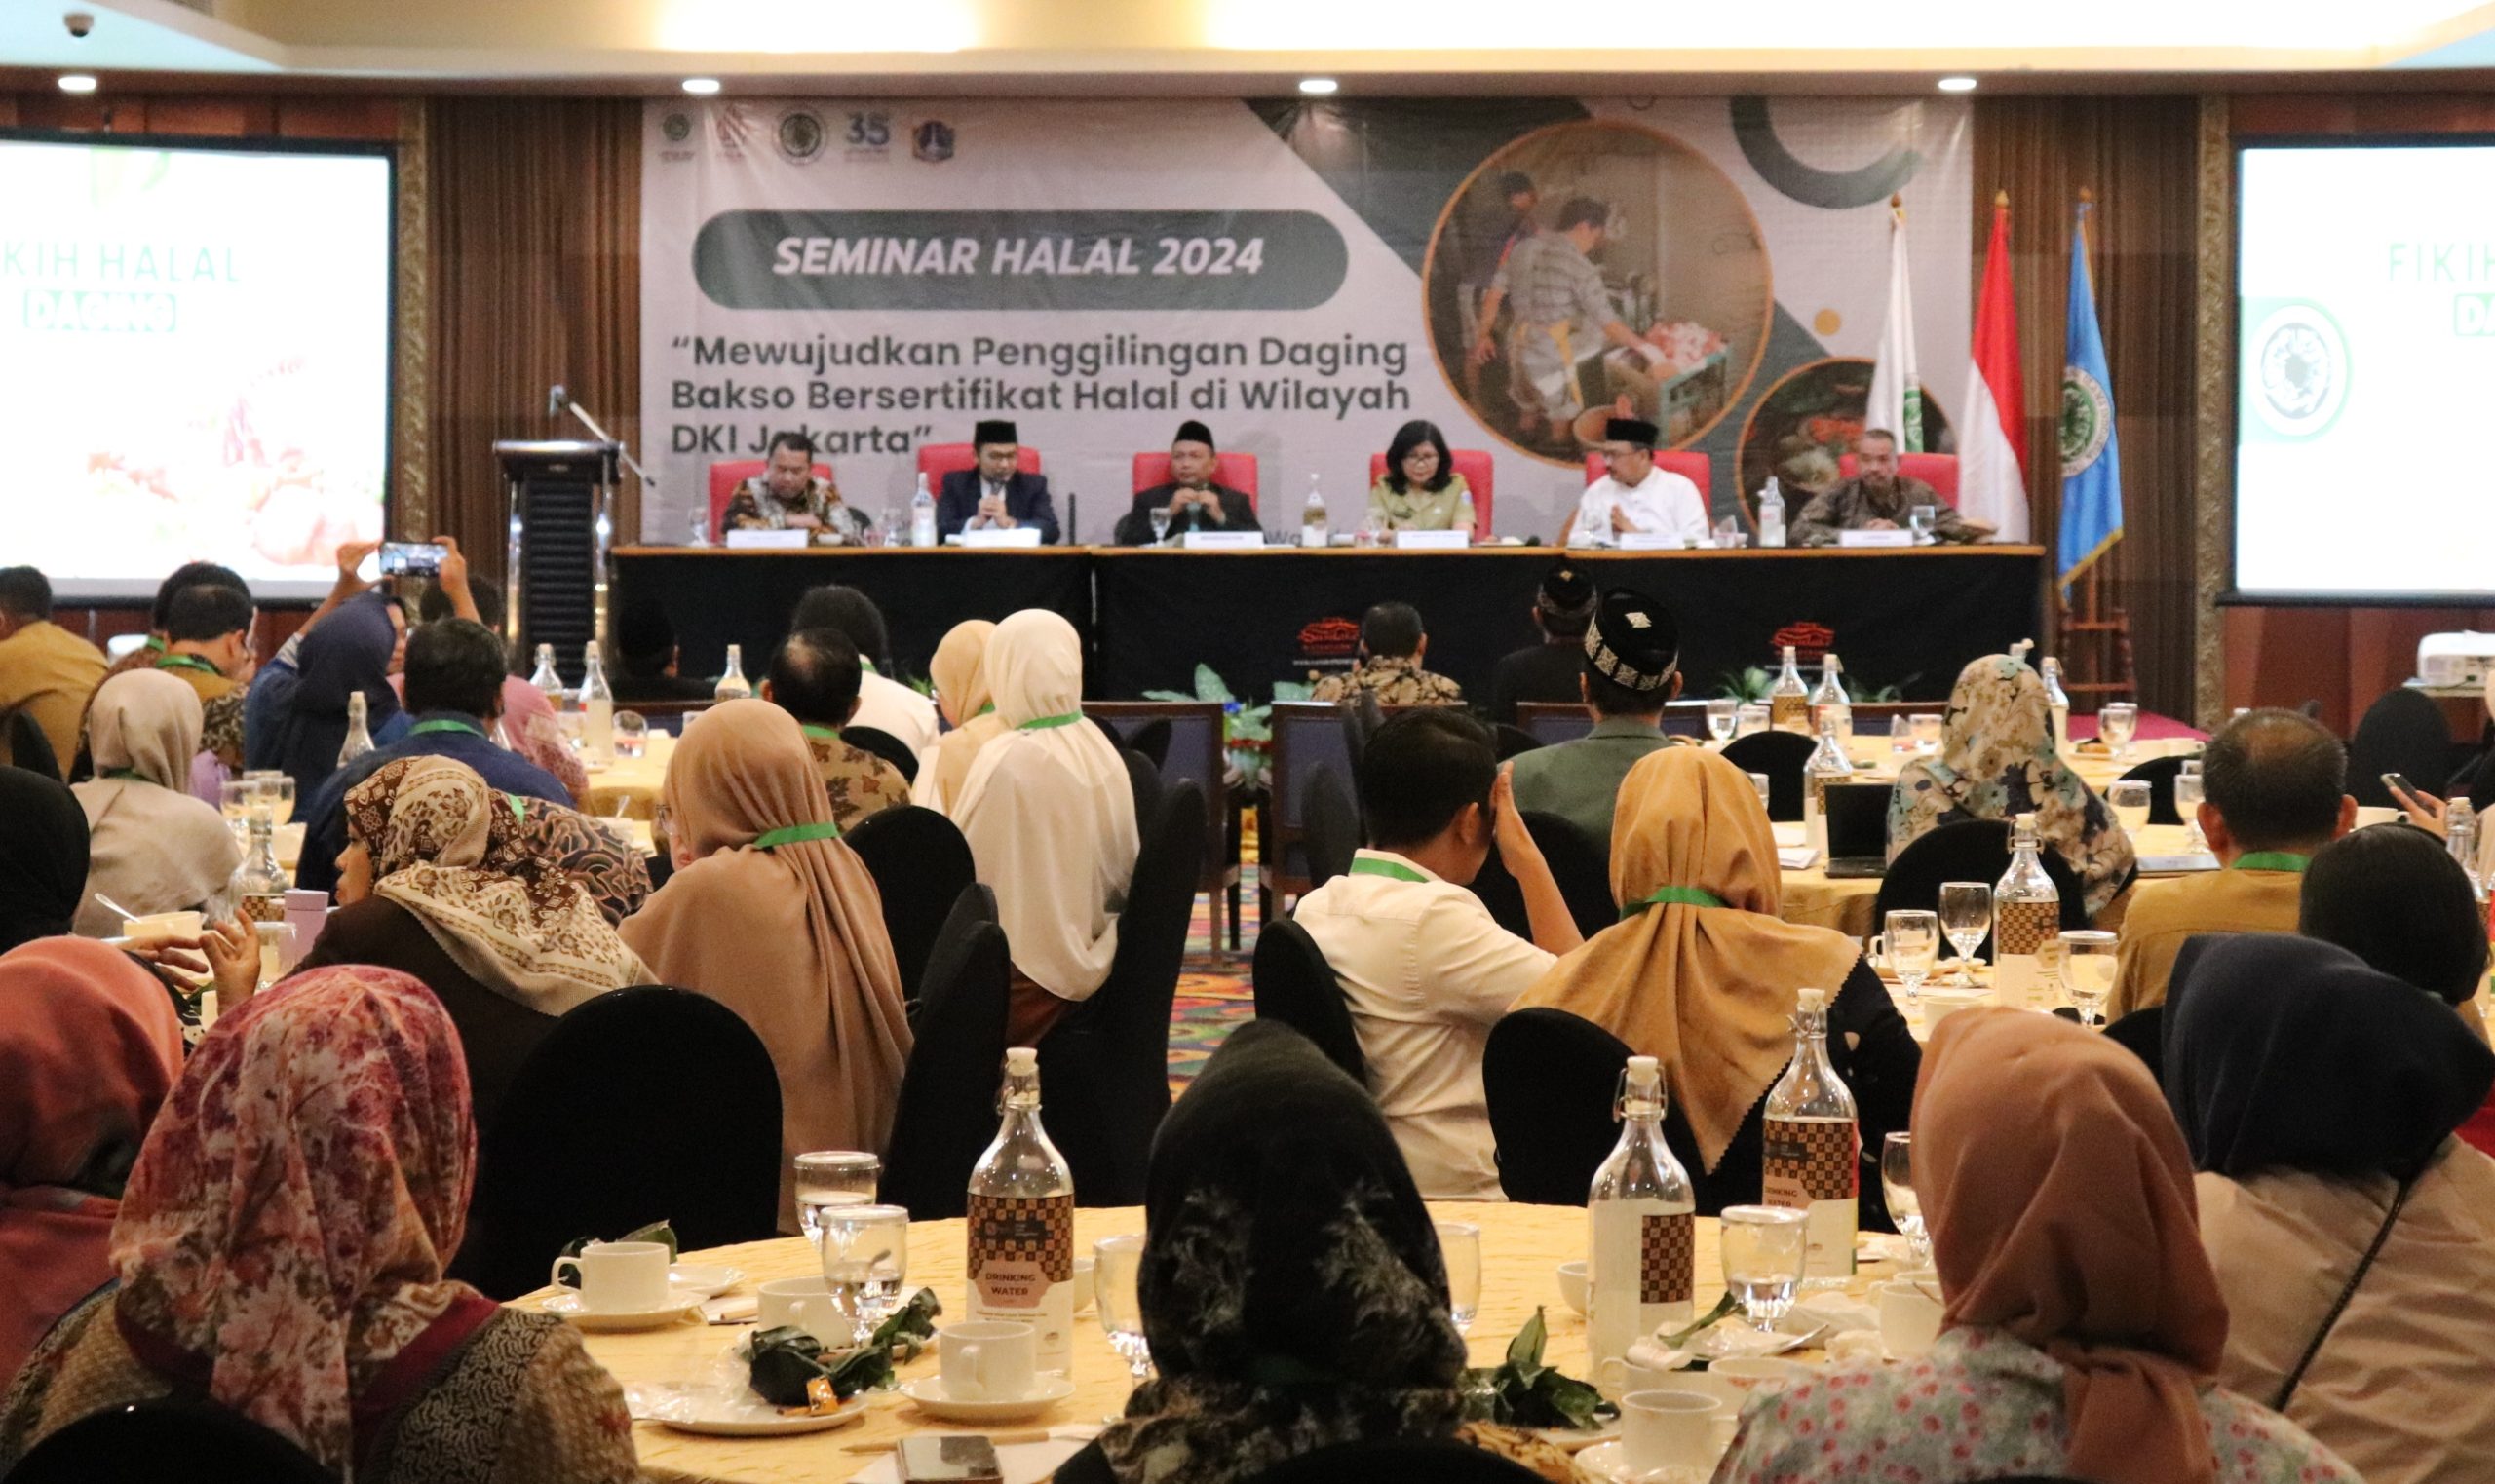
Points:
(1022, 1266)
(1816, 1165)
(2020, 930)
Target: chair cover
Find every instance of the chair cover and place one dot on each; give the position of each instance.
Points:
(947, 1115)
(1551, 1078)
(1781, 756)
(1971, 850)
(1296, 986)
(920, 863)
(1333, 825)
(884, 744)
(160, 1441)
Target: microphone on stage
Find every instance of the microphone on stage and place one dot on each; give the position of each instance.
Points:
(555, 399)
(1072, 516)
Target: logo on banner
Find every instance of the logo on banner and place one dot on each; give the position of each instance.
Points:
(801, 135)
(2300, 370)
(1809, 640)
(2088, 420)
(933, 142)
(676, 128)
(733, 127)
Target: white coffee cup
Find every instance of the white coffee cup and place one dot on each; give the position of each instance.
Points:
(1083, 1268)
(986, 1359)
(1939, 1004)
(620, 1277)
(1572, 1285)
(1909, 1317)
(1668, 1429)
(803, 1302)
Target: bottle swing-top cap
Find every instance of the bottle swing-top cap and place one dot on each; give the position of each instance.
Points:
(1021, 1061)
(1812, 999)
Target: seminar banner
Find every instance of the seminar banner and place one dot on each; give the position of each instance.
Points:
(1303, 278)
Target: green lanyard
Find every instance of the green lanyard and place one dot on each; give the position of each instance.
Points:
(442, 724)
(866, 665)
(518, 807)
(1361, 865)
(131, 774)
(1044, 723)
(990, 706)
(1672, 896)
(830, 733)
(795, 834)
(2274, 861)
(188, 662)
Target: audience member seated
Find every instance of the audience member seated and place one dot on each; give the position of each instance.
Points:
(223, 721)
(442, 881)
(454, 684)
(1420, 490)
(883, 703)
(814, 677)
(1393, 647)
(1194, 502)
(208, 647)
(960, 672)
(772, 915)
(2082, 1328)
(150, 846)
(647, 657)
(1997, 761)
(1425, 970)
(1563, 608)
(1049, 812)
(45, 670)
(1292, 1291)
(1637, 497)
(296, 717)
(528, 725)
(996, 495)
(1629, 671)
(1878, 498)
(43, 857)
(789, 496)
(280, 1252)
(89, 1047)
(2319, 1097)
(1704, 976)
(2276, 791)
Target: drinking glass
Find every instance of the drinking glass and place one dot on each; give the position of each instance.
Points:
(1900, 733)
(830, 1178)
(1460, 1246)
(1115, 1262)
(1897, 1184)
(632, 734)
(1927, 733)
(1920, 519)
(1966, 915)
(866, 1257)
(234, 799)
(1762, 782)
(1728, 533)
(276, 790)
(2118, 722)
(1764, 1246)
(2087, 972)
(2188, 793)
(1914, 946)
(2129, 799)
(1160, 525)
(1723, 715)
(1749, 718)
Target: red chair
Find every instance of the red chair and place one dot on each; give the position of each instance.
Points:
(1473, 464)
(937, 460)
(1938, 470)
(1234, 470)
(725, 478)
(1696, 468)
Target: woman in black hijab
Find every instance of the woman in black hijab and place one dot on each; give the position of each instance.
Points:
(43, 856)
(295, 718)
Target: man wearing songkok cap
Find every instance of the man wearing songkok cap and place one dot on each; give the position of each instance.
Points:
(1637, 497)
(1392, 647)
(995, 494)
(1195, 503)
(1548, 672)
(1632, 669)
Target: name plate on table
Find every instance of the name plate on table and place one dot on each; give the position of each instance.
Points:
(1650, 540)
(2176, 866)
(1433, 541)
(1223, 541)
(1875, 537)
(765, 541)
(1019, 536)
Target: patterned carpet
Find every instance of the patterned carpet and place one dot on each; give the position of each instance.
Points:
(1213, 994)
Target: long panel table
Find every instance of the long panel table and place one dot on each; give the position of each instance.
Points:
(1907, 619)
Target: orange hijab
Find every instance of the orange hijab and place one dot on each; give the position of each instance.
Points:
(2059, 1197)
(1709, 991)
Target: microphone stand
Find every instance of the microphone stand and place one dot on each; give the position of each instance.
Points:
(560, 401)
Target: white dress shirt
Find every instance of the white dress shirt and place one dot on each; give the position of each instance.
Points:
(1426, 972)
(1661, 502)
(888, 705)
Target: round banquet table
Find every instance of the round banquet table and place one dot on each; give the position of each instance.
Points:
(1521, 1247)
(1813, 900)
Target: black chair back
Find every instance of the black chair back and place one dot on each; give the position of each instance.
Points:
(1581, 867)
(28, 748)
(2143, 1033)
(1145, 781)
(1552, 722)
(1551, 1079)
(1333, 827)
(2159, 773)
(2404, 732)
(1105, 1069)
(1196, 750)
(1361, 717)
(1399, 1461)
(884, 744)
(167, 1440)
(642, 1105)
(1152, 739)
(1512, 740)
(1305, 734)
(1781, 756)
(1970, 850)
(920, 863)
(1296, 986)
(947, 1113)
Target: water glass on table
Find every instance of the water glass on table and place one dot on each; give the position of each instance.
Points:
(632, 734)
(235, 798)
(1116, 1261)
(1912, 938)
(2087, 972)
(2189, 791)
(1749, 718)
(1966, 915)
(1896, 1185)
(1762, 784)
(1927, 733)
(276, 790)
(1920, 519)
(1160, 524)
(2117, 723)
(1723, 714)
(1763, 1248)
(2130, 800)
(830, 1178)
(866, 1258)
(1460, 1248)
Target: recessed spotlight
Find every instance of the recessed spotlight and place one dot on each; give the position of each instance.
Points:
(1957, 85)
(1318, 87)
(77, 81)
(701, 86)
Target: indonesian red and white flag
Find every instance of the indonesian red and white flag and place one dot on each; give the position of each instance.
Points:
(1992, 451)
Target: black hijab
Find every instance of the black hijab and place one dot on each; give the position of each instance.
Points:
(43, 856)
(2285, 1053)
(347, 651)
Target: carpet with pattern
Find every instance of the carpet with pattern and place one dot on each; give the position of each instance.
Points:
(1213, 993)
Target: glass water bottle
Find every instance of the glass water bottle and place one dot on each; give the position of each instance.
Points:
(2027, 915)
(1642, 1259)
(598, 706)
(2058, 701)
(1829, 700)
(1813, 1146)
(733, 685)
(1789, 704)
(359, 740)
(259, 884)
(1021, 1221)
(1828, 763)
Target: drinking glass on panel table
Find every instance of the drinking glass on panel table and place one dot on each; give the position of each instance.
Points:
(1160, 524)
(1896, 1184)
(1763, 1248)
(1460, 1248)
(2118, 722)
(1966, 915)
(866, 1257)
(1927, 733)
(1913, 940)
(2130, 800)
(1728, 533)
(1761, 782)
(632, 734)
(2087, 972)
(1722, 716)
(1920, 519)
(1749, 717)
(830, 1178)
(1115, 1263)
(2188, 793)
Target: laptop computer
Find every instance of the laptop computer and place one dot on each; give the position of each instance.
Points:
(1858, 830)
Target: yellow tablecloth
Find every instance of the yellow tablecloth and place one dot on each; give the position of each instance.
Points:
(629, 785)
(1812, 900)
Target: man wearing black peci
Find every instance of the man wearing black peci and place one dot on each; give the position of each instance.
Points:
(1195, 503)
(995, 495)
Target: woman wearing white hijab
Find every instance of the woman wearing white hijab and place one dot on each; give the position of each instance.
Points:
(1050, 816)
(151, 846)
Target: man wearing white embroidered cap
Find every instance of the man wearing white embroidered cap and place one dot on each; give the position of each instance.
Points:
(1637, 498)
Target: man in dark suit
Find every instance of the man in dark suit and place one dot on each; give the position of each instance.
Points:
(996, 495)
(1194, 502)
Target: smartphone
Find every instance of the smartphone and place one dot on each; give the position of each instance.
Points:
(411, 558)
(2397, 783)
(954, 1459)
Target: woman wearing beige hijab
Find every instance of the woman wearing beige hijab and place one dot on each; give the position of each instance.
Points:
(772, 915)
(960, 672)
(151, 846)
(1703, 975)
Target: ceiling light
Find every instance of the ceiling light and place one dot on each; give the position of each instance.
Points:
(1318, 87)
(1957, 85)
(77, 81)
(701, 86)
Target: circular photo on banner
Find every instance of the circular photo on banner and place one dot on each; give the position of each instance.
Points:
(1594, 270)
(1802, 430)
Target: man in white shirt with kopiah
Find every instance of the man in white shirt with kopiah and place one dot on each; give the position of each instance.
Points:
(1425, 968)
(1637, 498)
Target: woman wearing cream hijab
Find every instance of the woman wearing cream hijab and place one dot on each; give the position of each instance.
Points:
(1049, 816)
(960, 672)
(151, 846)
(1702, 975)
(771, 915)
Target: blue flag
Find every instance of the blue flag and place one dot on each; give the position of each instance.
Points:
(2092, 517)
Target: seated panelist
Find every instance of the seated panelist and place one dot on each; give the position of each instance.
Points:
(787, 497)
(996, 495)
(1195, 503)
(1878, 498)
(1420, 490)
(1637, 498)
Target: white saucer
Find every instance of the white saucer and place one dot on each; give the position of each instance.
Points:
(732, 1411)
(702, 1281)
(928, 1392)
(1610, 1461)
(1571, 1441)
(567, 1306)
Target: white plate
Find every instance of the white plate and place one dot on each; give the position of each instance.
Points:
(732, 1411)
(1570, 1440)
(928, 1392)
(567, 1306)
(1609, 1461)
(697, 1281)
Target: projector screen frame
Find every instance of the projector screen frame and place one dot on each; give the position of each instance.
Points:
(80, 593)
